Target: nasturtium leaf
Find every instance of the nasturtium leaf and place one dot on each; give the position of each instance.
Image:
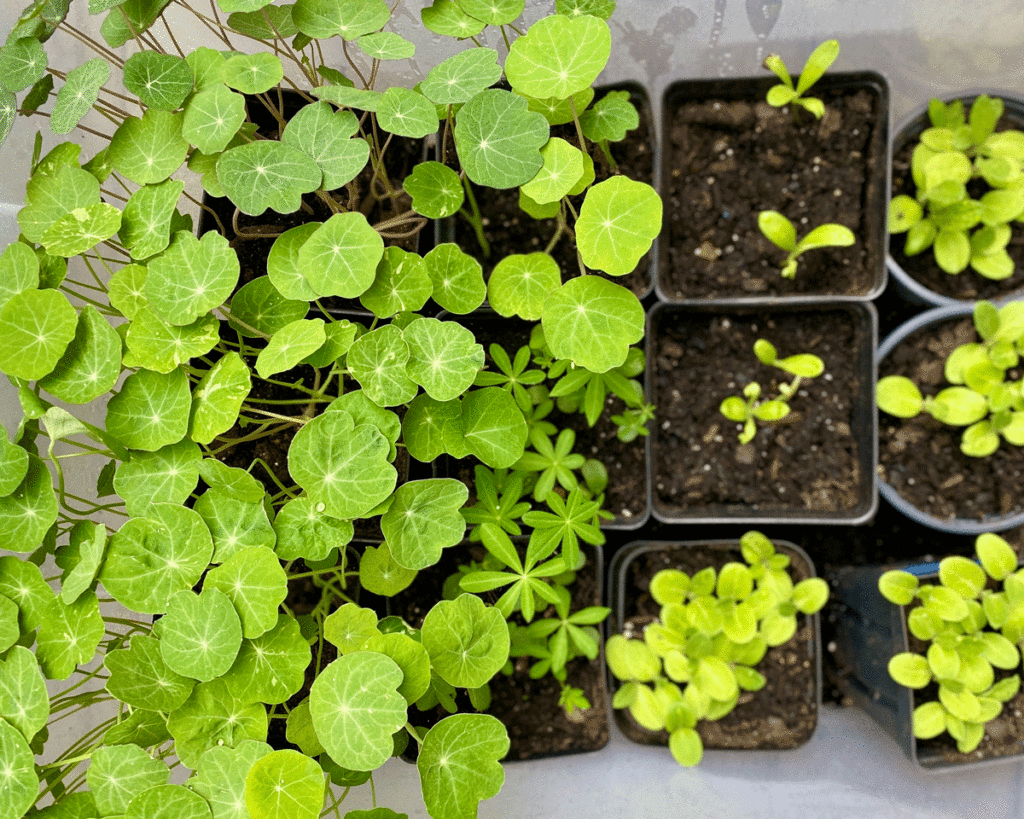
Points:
(592, 322)
(283, 263)
(235, 524)
(159, 80)
(459, 764)
(127, 290)
(401, 284)
(444, 357)
(498, 139)
(411, 657)
(76, 97)
(305, 532)
(356, 708)
(424, 423)
(169, 474)
(270, 668)
(8, 113)
(285, 784)
(325, 136)
(610, 118)
(50, 197)
(149, 149)
(520, 283)
(267, 174)
(493, 12)
(118, 773)
(255, 583)
(435, 189)
(380, 573)
(129, 19)
(140, 678)
(168, 802)
(494, 427)
(81, 229)
(467, 640)
(341, 257)
(231, 481)
(364, 411)
(13, 466)
(348, 97)
(459, 78)
(19, 270)
(596, 8)
(618, 222)
(151, 410)
(28, 511)
(22, 62)
(258, 308)
(446, 18)
(386, 45)
(350, 626)
(267, 23)
(146, 222)
(405, 112)
(289, 345)
(252, 73)
(342, 466)
(23, 583)
(150, 559)
(322, 19)
(562, 169)
(458, 278)
(38, 94)
(423, 520)
(220, 777)
(191, 277)
(377, 360)
(21, 783)
(212, 117)
(155, 345)
(559, 56)
(24, 702)
(218, 397)
(36, 327)
(200, 634)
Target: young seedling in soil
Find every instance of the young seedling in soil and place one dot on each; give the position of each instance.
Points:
(971, 630)
(782, 233)
(713, 630)
(984, 397)
(748, 410)
(817, 64)
(968, 178)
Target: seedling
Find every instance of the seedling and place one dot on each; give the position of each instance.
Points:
(972, 629)
(817, 64)
(713, 630)
(750, 409)
(781, 232)
(969, 182)
(982, 399)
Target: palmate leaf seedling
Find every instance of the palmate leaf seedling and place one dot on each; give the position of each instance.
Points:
(750, 409)
(780, 232)
(713, 629)
(971, 629)
(982, 398)
(786, 93)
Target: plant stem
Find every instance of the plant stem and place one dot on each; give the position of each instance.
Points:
(475, 219)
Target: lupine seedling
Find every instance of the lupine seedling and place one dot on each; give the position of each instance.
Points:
(714, 628)
(786, 93)
(750, 408)
(982, 398)
(780, 232)
(969, 182)
(973, 623)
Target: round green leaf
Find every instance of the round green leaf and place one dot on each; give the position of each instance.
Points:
(493, 12)
(28, 512)
(341, 257)
(520, 283)
(19, 268)
(283, 263)
(169, 474)
(13, 466)
(192, 276)
(377, 360)
(48, 197)
(22, 582)
(558, 56)
(290, 345)
(168, 802)
(36, 327)
(458, 278)
(996, 555)
(423, 520)
(140, 678)
(411, 657)
(435, 189)
(356, 708)
(272, 667)
(151, 410)
(467, 640)
(404, 112)
(212, 117)
(236, 525)
(686, 747)
(22, 62)
(610, 118)
(910, 670)
(461, 77)
(82, 229)
(76, 97)
(252, 73)
(562, 169)
(303, 532)
(200, 634)
(255, 583)
(322, 19)
(446, 18)
(259, 308)
(127, 290)
(159, 80)
(899, 396)
(230, 481)
(618, 222)
(146, 223)
(213, 717)
(221, 774)
(24, 702)
(156, 345)
(498, 139)
(119, 773)
(380, 573)
(285, 785)
(149, 149)
(494, 427)
(386, 45)
(963, 576)
(401, 284)
(810, 595)
(444, 357)
(218, 397)
(325, 135)
(267, 174)
(459, 764)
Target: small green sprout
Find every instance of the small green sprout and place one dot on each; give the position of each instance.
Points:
(972, 629)
(714, 628)
(980, 398)
(782, 233)
(817, 64)
(749, 409)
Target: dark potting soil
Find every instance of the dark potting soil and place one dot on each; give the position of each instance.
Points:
(922, 267)
(808, 462)
(921, 458)
(726, 161)
(781, 715)
(537, 725)
(509, 229)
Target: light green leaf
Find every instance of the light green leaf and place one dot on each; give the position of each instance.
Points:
(498, 139)
(220, 777)
(407, 113)
(380, 573)
(519, 284)
(435, 189)
(212, 117)
(255, 583)
(235, 524)
(128, 20)
(348, 97)
(119, 773)
(411, 657)
(592, 322)
(24, 702)
(161, 347)
(13, 466)
(466, 639)
(192, 276)
(285, 785)
(356, 708)
(19, 270)
(386, 45)
(8, 113)
(159, 80)
(493, 12)
(446, 18)
(21, 783)
(322, 19)
(149, 149)
(230, 481)
(377, 360)
(558, 56)
(494, 427)
(29, 511)
(267, 174)
(290, 345)
(142, 728)
(459, 764)
(325, 135)
(151, 410)
(341, 257)
(146, 223)
(618, 222)
(307, 533)
(23, 583)
(461, 77)
(82, 229)
(22, 62)
(283, 263)
(218, 397)
(444, 357)
(610, 118)
(562, 169)
(424, 423)
(458, 278)
(350, 626)
(212, 717)
(258, 308)
(252, 73)
(139, 677)
(76, 97)
(127, 290)
(49, 197)
(401, 284)
(169, 474)
(271, 668)
(168, 802)
(36, 327)
(423, 520)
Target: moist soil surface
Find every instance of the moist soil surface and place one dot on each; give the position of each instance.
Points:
(509, 229)
(921, 458)
(728, 160)
(781, 715)
(537, 725)
(922, 267)
(808, 463)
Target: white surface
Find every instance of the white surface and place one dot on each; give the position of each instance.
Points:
(850, 768)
